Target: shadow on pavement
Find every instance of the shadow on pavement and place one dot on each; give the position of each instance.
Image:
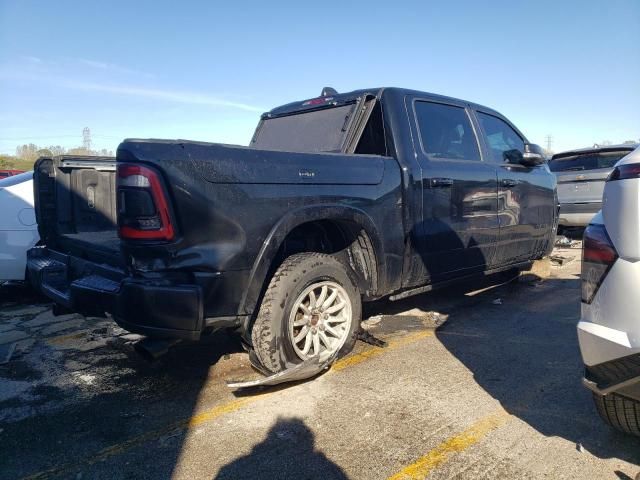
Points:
(118, 417)
(288, 451)
(19, 293)
(524, 353)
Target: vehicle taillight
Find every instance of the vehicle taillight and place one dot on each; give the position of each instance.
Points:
(623, 172)
(143, 210)
(598, 256)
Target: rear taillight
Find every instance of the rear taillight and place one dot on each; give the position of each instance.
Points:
(143, 210)
(598, 256)
(622, 172)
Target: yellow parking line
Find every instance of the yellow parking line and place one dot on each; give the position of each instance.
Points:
(458, 443)
(213, 413)
(357, 358)
(118, 448)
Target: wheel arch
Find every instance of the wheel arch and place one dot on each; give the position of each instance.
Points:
(364, 252)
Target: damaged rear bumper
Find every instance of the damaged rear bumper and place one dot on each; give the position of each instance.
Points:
(152, 307)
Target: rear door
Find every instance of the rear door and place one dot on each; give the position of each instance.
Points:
(526, 199)
(459, 190)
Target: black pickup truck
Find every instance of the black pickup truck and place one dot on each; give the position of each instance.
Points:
(338, 199)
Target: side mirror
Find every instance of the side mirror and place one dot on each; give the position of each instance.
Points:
(533, 155)
(514, 156)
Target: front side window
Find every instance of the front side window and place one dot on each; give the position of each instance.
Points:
(445, 132)
(500, 137)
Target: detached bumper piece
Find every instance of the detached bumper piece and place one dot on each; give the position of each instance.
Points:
(617, 376)
(150, 307)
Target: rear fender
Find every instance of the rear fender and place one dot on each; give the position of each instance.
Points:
(291, 220)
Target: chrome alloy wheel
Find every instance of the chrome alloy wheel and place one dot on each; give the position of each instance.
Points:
(320, 320)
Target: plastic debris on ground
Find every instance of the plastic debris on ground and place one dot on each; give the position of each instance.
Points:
(302, 371)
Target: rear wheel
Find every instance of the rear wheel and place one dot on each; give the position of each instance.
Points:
(312, 308)
(620, 412)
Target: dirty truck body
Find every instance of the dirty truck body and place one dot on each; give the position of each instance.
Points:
(373, 193)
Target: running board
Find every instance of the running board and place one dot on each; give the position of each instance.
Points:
(427, 288)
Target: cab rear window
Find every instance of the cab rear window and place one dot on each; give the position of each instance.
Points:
(323, 130)
(589, 161)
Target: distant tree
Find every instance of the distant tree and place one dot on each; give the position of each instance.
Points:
(79, 151)
(6, 162)
(629, 142)
(44, 152)
(27, 152)
(57, 150)
(31, 152)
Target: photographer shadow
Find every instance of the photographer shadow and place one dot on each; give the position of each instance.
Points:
(288, 451)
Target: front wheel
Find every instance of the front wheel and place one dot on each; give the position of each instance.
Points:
(312, 308)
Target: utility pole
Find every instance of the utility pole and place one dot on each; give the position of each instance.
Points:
(549, 139)
(86, 139)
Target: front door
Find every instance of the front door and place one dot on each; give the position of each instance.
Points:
(459, 218)
(525, 194)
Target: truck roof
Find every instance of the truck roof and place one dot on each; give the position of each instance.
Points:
(341, 98)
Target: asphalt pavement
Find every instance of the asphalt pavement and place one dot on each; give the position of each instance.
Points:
(477, 381)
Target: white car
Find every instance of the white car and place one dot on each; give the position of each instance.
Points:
(609, 330)
(18, 228)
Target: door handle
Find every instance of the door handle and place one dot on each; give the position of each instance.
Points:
(441, 182)
(508, 183)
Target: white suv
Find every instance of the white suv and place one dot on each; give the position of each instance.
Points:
(609, 330)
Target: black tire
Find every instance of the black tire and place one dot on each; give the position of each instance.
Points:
(620, 412)
(269, 335)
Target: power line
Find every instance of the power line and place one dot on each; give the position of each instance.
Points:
(549, 139)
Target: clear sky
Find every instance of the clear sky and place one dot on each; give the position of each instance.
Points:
(204, 70)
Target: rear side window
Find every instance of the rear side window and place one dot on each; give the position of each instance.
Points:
(589, 161)
(445, 132)
(500, 137)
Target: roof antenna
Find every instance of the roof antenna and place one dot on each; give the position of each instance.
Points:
(328, 91)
